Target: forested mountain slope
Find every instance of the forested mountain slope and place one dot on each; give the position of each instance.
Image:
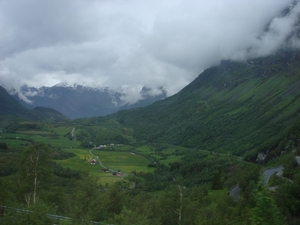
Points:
(237, 107)
(11, 107)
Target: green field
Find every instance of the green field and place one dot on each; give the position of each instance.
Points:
(81, 163)
(123, 161)
(23, 138)
(36, 132)
(165, 156)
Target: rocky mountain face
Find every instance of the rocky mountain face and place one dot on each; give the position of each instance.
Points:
(78, 101)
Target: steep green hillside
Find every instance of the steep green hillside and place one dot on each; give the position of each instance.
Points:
(49, 114)
(237, 107)
(10, 107)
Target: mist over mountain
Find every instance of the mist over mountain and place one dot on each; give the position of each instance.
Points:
(137, 43)
(238, 107)
(78, 101)
(10, 107)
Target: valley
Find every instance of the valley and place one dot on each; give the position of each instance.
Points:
(211, 151)
(150, 112)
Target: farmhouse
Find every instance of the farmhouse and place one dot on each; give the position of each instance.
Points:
(105, 169)
(93, 161)
(101, 146)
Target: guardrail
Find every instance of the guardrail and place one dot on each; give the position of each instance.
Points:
(51, 216)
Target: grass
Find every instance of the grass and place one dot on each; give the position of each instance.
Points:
(36, 132)
(15, 140)
(14, 143)
(123, 148)
(216, 194)
(81, 163)
(23, 138)
(170, 159)
(61, 130)
(57, 136)
(123, 161)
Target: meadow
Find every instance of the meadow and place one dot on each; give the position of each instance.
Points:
(116, 161)
(24, 138)
(81, 162)
(125, 162)
(123, 158)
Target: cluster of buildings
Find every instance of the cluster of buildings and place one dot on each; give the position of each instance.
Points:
(105, 146)
(114, 173)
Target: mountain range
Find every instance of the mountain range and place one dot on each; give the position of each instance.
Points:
(78, 101)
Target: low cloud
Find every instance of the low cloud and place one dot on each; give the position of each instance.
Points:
(134, 43)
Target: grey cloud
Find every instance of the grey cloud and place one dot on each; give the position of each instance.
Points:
(32, 24)
(133, 43)
(279, 30)
(202, 37)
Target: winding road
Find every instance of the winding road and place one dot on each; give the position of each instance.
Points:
(269, 172)
(72, 132)
(235, 190)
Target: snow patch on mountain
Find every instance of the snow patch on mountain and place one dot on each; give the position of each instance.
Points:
(119, 95)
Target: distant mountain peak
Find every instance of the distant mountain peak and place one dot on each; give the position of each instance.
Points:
(79, 100)
(62, 84)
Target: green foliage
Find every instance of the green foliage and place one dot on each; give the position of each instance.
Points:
(287, 196)
(60, 171)
(266, 211)
(116, 199)
(36, 214)
(59, 154)
(290, 166)
(217, 181)
(129, 217)
(34, 170)
(9, 159)
(84, 196)
(228, 108)
(3, 146)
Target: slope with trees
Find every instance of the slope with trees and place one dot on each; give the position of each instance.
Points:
(238, 107)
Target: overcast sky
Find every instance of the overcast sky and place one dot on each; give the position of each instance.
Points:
(132, 42)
